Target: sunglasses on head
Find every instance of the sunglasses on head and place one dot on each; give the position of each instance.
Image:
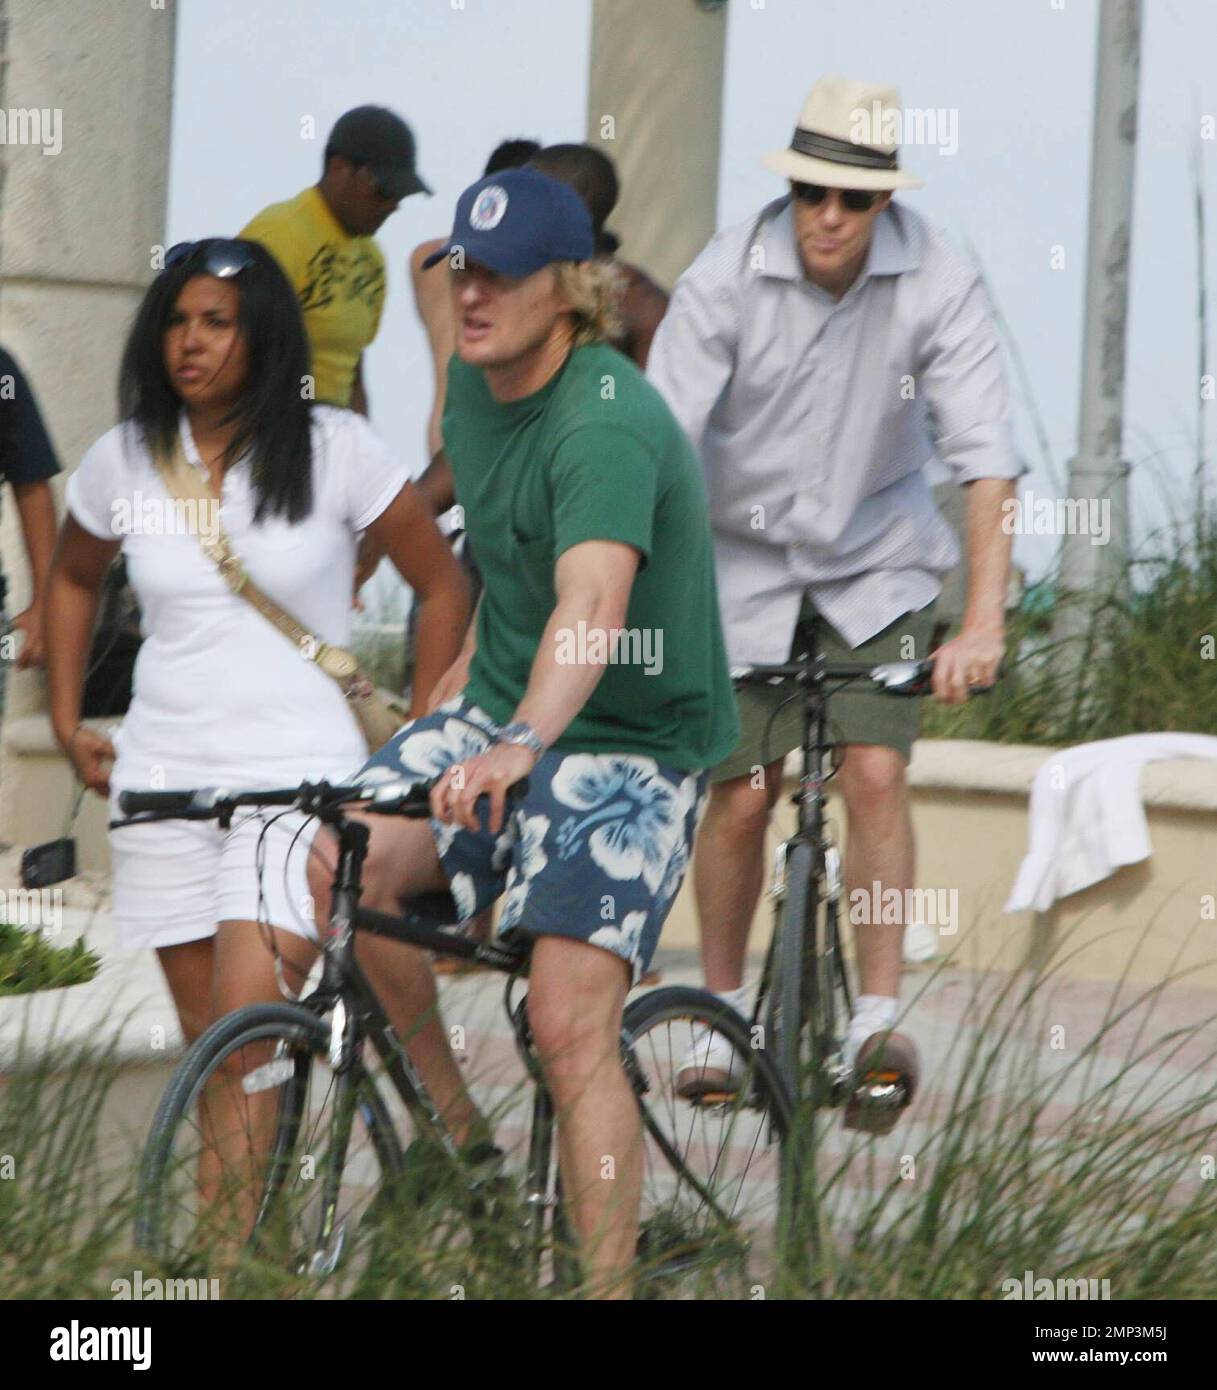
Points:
(854, 199)
(217, 256)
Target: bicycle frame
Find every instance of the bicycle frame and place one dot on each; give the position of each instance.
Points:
(345, 993)
(825, 867)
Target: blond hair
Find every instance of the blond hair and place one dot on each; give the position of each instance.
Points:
(593, 289)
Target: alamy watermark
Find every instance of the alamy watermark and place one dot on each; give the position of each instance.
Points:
(889, 125)
(1029, 1287)
(33, 907)
(33, 126)
(1029, 515)
(611, 646)
(138, 1288)
(82, 1342)
(147, 515)
(901, 907)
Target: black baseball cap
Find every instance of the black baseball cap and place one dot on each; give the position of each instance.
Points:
(518, 220)
(379, 138)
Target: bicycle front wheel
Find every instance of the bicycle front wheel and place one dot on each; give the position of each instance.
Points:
(264, 1164)
(711, 1165)
(791, 983)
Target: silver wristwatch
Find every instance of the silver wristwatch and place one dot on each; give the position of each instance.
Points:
(523, 736)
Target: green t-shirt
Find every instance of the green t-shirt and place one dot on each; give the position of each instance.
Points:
(595, 454)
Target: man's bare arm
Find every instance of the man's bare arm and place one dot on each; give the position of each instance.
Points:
(36, 511)
(593, 582)
(407, 532)
(975, 655)
(437, 485)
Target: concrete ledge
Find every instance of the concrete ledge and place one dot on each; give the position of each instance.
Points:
(969, 806)
(1009, 769)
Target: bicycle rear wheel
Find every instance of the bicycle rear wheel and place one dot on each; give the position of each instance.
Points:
(264, 1164)
(711, 1166)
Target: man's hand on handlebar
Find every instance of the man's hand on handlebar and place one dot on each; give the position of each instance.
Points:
(968, 663)
(455, 793)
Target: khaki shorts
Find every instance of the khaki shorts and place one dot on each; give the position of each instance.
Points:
(771, 729)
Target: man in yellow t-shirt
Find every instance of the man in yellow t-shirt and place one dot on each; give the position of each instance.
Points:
(323, 239)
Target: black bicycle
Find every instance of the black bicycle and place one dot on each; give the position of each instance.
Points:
(805, 995)
(278, 1150)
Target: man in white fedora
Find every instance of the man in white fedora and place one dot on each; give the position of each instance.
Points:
(818, 355)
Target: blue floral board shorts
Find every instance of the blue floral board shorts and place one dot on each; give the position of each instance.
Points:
(595, 851)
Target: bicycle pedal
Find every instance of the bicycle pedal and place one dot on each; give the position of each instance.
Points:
(876, 1105)
(708, 1098)
(884, 1092)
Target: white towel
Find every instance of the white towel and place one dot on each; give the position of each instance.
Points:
(1086, 814)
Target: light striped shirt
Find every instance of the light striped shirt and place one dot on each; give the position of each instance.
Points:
(815, 420)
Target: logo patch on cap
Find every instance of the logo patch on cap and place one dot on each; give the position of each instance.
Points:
(488, 211)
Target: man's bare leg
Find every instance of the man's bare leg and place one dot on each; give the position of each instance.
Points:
(402, 862)
(575, 997)
(879, 848)
(729, 871)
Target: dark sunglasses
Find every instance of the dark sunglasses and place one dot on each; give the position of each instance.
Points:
(216, 256)
(854, 199)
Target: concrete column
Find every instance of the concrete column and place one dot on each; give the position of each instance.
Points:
(86, 96)
(1098, 471)
(655, 100)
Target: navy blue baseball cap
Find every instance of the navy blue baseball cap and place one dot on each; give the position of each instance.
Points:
(518, 220)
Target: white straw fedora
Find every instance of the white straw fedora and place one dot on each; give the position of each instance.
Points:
(841, 138)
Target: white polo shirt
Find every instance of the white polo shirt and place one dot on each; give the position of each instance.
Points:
(220, 696)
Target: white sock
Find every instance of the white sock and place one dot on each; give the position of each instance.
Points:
(738, 999)
(872, 1014)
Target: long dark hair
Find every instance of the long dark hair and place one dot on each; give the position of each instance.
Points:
(272, 417)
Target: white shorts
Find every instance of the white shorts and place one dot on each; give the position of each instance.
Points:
(175, 880)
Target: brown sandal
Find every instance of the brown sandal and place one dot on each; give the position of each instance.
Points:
(886, 1074)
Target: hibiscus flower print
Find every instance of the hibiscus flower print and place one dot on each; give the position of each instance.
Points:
(530, 860)
(429, 752)
(631, 816)
(690, 805)
(624, 941)
(464, 895)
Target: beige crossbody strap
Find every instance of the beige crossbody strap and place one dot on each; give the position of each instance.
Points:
(185, 483)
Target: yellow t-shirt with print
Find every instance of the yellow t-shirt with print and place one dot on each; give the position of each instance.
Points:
(340, 281)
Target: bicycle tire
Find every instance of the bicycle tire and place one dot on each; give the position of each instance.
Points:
(691, 1246)
(792, 982)
(305, 1037)
(833, 995)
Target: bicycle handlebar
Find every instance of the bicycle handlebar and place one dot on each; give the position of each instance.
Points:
(211, 803)
(901, 678)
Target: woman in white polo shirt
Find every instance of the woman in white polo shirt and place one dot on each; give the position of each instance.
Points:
(218, 357)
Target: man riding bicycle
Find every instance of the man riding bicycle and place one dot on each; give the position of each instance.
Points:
(817, 355)
(595, 669)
